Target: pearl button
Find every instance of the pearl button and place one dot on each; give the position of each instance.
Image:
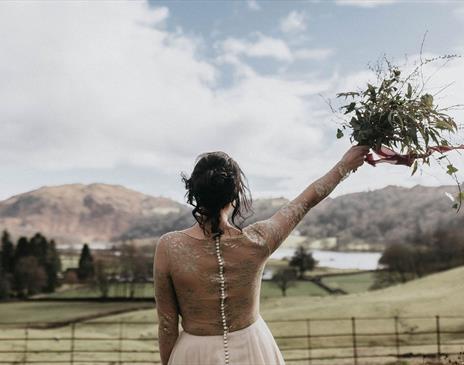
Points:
(222, 298)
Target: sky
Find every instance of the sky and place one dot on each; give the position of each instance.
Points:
(131, 92)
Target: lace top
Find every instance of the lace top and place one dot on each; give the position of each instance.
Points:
(187, 280)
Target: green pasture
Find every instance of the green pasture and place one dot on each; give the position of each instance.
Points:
(353, 283)
(145, 290)
(48, 311)
(69, 261)
(141, 290)
(439, 294)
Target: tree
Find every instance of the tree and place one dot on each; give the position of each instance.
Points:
(29, 277)
(52, 266)
(134, 266)
(38, 246)
(302, 260)
(7, 261)
(284, 279)
(70, 277)
(101, 280)
(22, 249)
(399, 259)
(4, 283)
(402, 262)
(85, 270)
(127, 264)
(47, 257)
(26, 265)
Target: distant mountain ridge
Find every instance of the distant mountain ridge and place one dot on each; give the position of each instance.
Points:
(77, 213)
(383, 216)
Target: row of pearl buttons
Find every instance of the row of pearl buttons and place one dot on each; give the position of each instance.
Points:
(223, 316)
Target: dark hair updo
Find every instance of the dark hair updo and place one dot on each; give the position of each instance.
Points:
(216, 181)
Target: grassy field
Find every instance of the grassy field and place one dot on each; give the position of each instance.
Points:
(354, 283)
(441, 293)
(268, 290)
(438, 294)
(44, 311)
(143, 290)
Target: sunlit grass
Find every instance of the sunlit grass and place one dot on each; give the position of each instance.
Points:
(438, 294)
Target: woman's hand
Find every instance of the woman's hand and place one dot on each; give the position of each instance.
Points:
(355, 157)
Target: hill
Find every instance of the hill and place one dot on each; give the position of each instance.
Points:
(76, 213)
(383, 216)
(436, 294)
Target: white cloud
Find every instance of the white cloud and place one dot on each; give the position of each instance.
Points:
(264, 46)
(253, 5)
(159, 14)
(294, 22)
(459, 12)
(79, 92)
(365, 3)
(313, 54)
(96, 85)
(91, 85)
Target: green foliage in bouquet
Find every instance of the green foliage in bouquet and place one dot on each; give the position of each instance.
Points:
(386, 115)
(397, 113)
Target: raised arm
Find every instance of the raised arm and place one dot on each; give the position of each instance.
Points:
(166, 301)
(275, 229)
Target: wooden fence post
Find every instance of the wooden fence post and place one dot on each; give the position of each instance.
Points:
(437, 324)
(73, 331)
(120, 342)
(353, 332)
(26, 343)
(397, 339)
(308, 339)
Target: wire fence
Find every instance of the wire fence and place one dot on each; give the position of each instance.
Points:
(338, 341)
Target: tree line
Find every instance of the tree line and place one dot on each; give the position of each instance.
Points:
(420, 254)
(33, 265)
(28, 267)
(126, 271)
(301, 261)
(424, 253)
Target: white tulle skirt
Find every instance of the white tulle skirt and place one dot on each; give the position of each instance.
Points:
(252, 345)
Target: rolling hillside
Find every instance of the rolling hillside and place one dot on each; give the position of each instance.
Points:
(102, 212)
(391, 214)
(436, 294)
(78, 212)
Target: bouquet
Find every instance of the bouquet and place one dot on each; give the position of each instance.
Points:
(396, 114)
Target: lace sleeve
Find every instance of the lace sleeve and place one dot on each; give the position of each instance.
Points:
(166, 301)
(278, 227)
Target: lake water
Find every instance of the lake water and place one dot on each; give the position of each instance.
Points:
(337, 260)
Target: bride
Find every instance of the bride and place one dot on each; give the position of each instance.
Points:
(210, 274)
